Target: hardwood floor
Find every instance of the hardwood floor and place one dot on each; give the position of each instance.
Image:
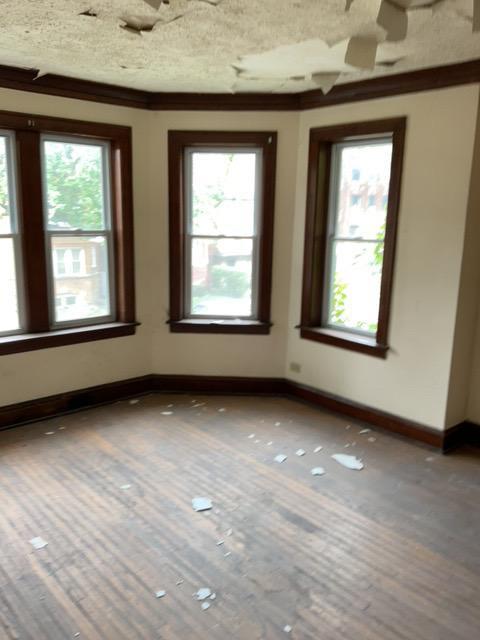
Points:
(391, 552)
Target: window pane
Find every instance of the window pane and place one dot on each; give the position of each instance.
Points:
(355, 285)
(74, 185)
(363, 190)
(223, 193)
(221, 277)
(5, 204)
(80, 271)
(9, 316)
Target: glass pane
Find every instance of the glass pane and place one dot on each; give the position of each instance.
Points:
(5, 222)
(223, 193)
(74, 186)
(355, 285)
(80, 273)
(221, 277)
(363, 191)
(9, 317)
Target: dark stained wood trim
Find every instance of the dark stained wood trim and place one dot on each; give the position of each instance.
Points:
(45, 408)
(429, 79)
(210, 326)
(54, 85)
(19, 343)
(178, 141)
(315, 245)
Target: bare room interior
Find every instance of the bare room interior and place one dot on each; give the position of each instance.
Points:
(240, 319)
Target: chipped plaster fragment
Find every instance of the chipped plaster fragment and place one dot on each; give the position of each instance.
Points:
(325, 81)
(361, 52)
(203, 593)
(280, 458)
(38, 543)
(201, 504)
(351, 462)
(318, 471)
(394, 20)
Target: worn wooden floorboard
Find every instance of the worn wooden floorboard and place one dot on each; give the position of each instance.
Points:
(387, 553)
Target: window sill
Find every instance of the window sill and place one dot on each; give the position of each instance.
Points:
(60, 337)
(345, 340)
(206, 325)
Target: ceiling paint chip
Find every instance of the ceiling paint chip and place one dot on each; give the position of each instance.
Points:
(325, 81)
(361, 52)
(394, 20)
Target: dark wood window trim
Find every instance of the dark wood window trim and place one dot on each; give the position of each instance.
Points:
(318, 183)
(36, 332)
(178, 141)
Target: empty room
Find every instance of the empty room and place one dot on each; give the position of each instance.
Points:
(240, 319)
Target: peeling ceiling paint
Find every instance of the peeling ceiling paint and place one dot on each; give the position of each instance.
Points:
(202, 45)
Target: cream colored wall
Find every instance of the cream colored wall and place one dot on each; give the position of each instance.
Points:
(463, 400)
(229, 355)
(40, 373)
(413, 381)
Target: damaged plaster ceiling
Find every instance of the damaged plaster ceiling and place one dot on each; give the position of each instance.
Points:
(224, 46)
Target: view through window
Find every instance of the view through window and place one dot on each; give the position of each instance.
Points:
(10, 317)
(356, 233)
(78, 223)
(222, 196)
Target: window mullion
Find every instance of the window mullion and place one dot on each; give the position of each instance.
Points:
(32, 231)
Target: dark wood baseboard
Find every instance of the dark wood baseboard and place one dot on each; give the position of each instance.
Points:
(419, 80)
(60, 404)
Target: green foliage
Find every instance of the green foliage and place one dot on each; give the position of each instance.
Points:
(75, 195)
(338, 307)
(228, 282)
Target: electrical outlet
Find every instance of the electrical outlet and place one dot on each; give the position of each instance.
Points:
(295, 366)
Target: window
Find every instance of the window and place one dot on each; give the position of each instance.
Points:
(221, 228)
(66, 250)
(352, 207)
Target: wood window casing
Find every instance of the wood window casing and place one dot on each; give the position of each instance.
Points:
(315, 248)
(37, 331)
(178, 143)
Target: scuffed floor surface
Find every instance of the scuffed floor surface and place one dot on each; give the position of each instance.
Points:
(388, 552)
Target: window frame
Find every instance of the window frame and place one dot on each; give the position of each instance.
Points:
(318, 214)
(179, 144)
(37, 330)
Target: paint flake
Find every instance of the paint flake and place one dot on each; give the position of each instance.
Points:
(300, 452)
(287, 628)
(38, 543)
(280, 458)
(318, 471)
(364, 431)
(203, 593)
(134, 401)
(205, 606)
(361, 52)
(160, 594)
(201, 504)
(221, 410)
(372, 439)
(167, 413)
(125, 487)
(394, 20)
(251, 436)
(49, 433)
(351, 462)
(277, 424)
(179, 582)
(317, 449)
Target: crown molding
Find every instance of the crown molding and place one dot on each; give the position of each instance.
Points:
(396, 84)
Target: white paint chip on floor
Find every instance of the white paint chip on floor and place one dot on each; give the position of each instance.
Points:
(167, 413)
(280, 458)
(318, 471)
(351, 462)
(317, 449)
(160, 594)
(125, 487)
(201, 504)
(203, 593)
(38, 543)
(300, 452)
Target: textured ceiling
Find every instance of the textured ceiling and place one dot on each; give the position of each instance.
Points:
(198, 45)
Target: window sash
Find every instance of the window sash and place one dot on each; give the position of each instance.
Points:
(105, 232)
(14, 235)
(190, 236)
(332, 238)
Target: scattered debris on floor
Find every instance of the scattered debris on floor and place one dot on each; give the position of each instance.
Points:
(287, 628)
(300, 452)
(38, 543)
(227, 553)
(169, 406)
(62, 428)
(277, 424)
(280, 458)
(222, 409)
(199, 404)
(372, 439)
(213, 596)
(229, 532)
(201, 504)
(351, 462)
(257, 441)
(205, 606)
(167, 413)
(49, 433)
(429, 459)
(160, 594)
(364, 431)
(269, 444)
(203, 593)
(179, 582)
(220, 542)
(125, 486)
(317, 449)
(318, 471)
(134, 401)
(251, 436)
(347, 427)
